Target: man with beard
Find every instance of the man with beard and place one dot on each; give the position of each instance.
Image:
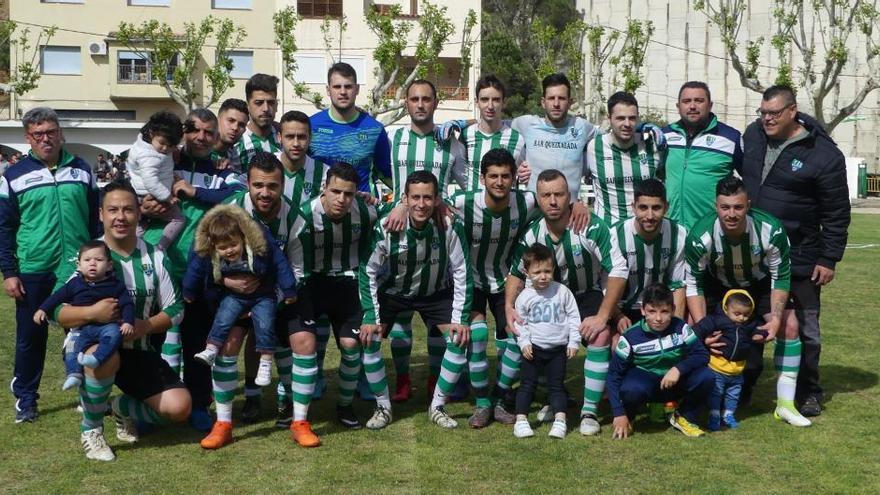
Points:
(232, 121)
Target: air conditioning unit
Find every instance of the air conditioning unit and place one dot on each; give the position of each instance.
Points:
(98, 47)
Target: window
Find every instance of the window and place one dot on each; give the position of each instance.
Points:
(135, 69)
(150, 3)
(65, 60)
(319, 8)
(311, 69)
(231, 4)
(243, 64)
(359, 66)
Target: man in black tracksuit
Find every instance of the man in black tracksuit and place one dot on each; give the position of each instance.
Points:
(794, 171)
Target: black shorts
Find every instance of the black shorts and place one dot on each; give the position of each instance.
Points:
(496, 306)
(143, 374)
(760, 293)
(435, 309)
(588, 305)
(336, 297)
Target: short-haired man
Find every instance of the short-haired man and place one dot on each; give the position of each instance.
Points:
(654, 250)
(345, 134)
(738, 247)
(494, 217)
(489, 132)
(48, 209)
(700, 152)
(303, 174)
(232, 121)
(152, 392)
(619, 160)
(261, 93)
(423, 268)
(794, 171)
(588, 263)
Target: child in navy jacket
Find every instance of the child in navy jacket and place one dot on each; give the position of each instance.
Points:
(93, 282)
(228, 242)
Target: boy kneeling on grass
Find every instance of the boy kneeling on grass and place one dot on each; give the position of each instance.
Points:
(659, 359)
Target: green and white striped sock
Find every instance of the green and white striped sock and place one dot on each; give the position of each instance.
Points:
(500, 349)
(130, 407)
(305, 373)
(454, 360)
(374, 369)
(595, 373)
(322, 337)
(509, 369)
(93, 395)
(172, 349)
(787, 359)
(401, 343)
(478, 363)
(284, 364)
(224, 378)
(349, 369)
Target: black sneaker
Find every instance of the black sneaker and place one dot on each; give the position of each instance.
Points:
(810, 407)
(347, 417)
(285, 415)
(26, 415)
(250, 413)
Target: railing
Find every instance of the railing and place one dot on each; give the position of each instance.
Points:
(873, 185)
(127, 74)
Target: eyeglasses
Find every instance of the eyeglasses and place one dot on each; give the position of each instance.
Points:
(39, 135)
(772, 114)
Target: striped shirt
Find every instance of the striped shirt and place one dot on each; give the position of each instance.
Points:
(493, 236)
(322, 245)
(583, 261)
(411, 151)
(616, 171)
(762, 252)
(417, 263)
(280, 227)
(305, 183)
(149, 283)
(250, 144)
(660, 260)
(476, 144)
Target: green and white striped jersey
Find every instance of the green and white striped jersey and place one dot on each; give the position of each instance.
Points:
(305, 183)
(476, 144)
(583, 261)
(145, 273)
(232, 155)
(417, 263)
(492, 236)
(660, 260)
(280, 227)
(250, 144)
(761, 252)
(616, 171)
(321, 245)
(411, 151)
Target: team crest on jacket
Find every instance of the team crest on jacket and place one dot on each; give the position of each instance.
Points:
(74, 173)
(796, 165)
(710, 140)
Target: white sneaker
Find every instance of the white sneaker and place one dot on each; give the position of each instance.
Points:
(791, 417)
(559, 429)
(522, 429)
(95, 445)
(207, 356)
(126, 429)
(589, 425)
(545, 415)
(441, 418)
(381, 418)
(264, 373)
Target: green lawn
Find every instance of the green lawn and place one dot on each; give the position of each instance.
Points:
(839, 454)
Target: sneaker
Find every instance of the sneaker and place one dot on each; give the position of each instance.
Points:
(681, 424)
(285, 414)
(481, 417)
(95, 445)
(301, 432)
(730, 421)
(522, 429)
(714, 421)
(791, 416)
(26, 415)
(811, 407)
(545, 415)
(403, 389)
(381, 418)
(348, 418)
(264, 373)
(126, 428)
(206, 357)
(320, 387)
(221, 435)
(200, 419)
(441, 418)
(250, 413)
(73, 380)
(88, 360)
(503, 416)
(558, 429)
(589, 425)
